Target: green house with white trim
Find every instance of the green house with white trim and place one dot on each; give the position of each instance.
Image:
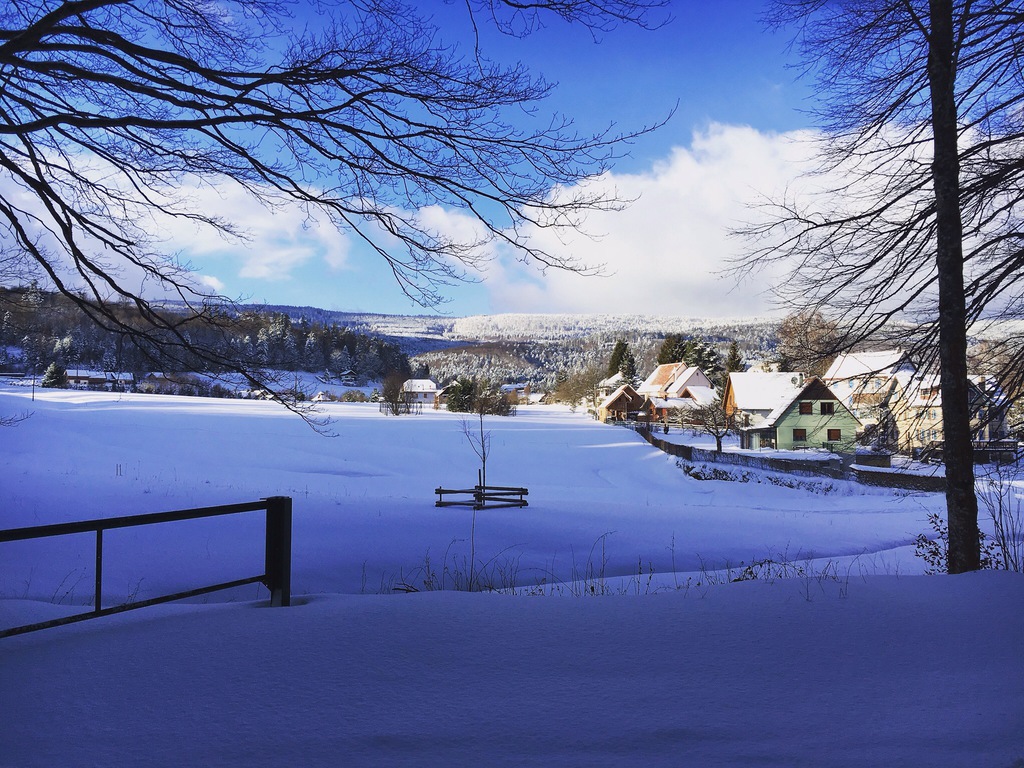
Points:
(813, 417)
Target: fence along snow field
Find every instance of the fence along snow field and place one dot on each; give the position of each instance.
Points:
(277, 564)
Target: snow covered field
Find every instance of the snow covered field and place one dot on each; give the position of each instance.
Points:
(868, 664)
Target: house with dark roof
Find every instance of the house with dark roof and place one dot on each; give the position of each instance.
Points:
(809, 415)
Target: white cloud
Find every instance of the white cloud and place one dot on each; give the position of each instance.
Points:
(211, 283)
(276, 241)
(665, 253)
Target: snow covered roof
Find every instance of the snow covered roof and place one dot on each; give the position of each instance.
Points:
(660, 378)
(854, 365)
(671, 378)
(689, 377)
(757, 391)
(615, 380)
(701, 395)
(419, 385)
(924, 391)
(625, 389)
(88, 373)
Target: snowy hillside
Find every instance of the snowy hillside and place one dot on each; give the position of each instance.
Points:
(524, 327)
(836, 654)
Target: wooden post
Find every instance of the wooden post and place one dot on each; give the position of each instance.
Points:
(98, 602)
(279, 550)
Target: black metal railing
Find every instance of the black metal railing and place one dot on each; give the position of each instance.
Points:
(277, 564)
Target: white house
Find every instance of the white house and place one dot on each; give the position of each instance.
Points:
(865, 381)
(669, 380)
(422, 391)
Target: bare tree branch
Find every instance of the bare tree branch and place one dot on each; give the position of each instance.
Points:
(916, 236)
(360, 113)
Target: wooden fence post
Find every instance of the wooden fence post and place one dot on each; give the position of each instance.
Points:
(279, 550)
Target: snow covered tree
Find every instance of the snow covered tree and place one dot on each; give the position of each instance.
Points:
(734, 360)
(628, 369)
(313, 353)
(54, 377)
(673, 350)
(461, 395)
(701, 354)
(918, 234)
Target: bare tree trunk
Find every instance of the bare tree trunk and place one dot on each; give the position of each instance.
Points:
(961, 502)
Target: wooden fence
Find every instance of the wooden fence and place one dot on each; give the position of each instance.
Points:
(277, 563)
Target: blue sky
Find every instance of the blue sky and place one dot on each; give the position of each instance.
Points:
(738, 108)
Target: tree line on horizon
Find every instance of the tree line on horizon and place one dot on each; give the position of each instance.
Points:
(38, 328)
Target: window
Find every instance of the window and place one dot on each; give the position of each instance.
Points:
(827, 407)
(806, 408)
(800, 435)
(835, 435)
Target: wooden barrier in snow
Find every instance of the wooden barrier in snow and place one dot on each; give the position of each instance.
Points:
(482, 497)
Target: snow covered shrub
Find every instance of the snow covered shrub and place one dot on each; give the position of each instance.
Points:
(1001, 498)
(934, 551)
(814, 486)
(704, 472)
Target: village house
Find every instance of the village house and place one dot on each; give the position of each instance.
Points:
(347, 378)
(108, 381)
(606, 386)
(807, 415)
(670, 379)
(866, 381)
(916, 414)
(751, 396)
(902, 407)
(516, 394)
(625, 403)
(676, 391)
(419, 391)
(441, 398)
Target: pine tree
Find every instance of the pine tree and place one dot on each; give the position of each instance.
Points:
(461, 395)
(627, 367)
(700, 354)
(55, 377)
(615, 363)
(734, 361)
(672, 349)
